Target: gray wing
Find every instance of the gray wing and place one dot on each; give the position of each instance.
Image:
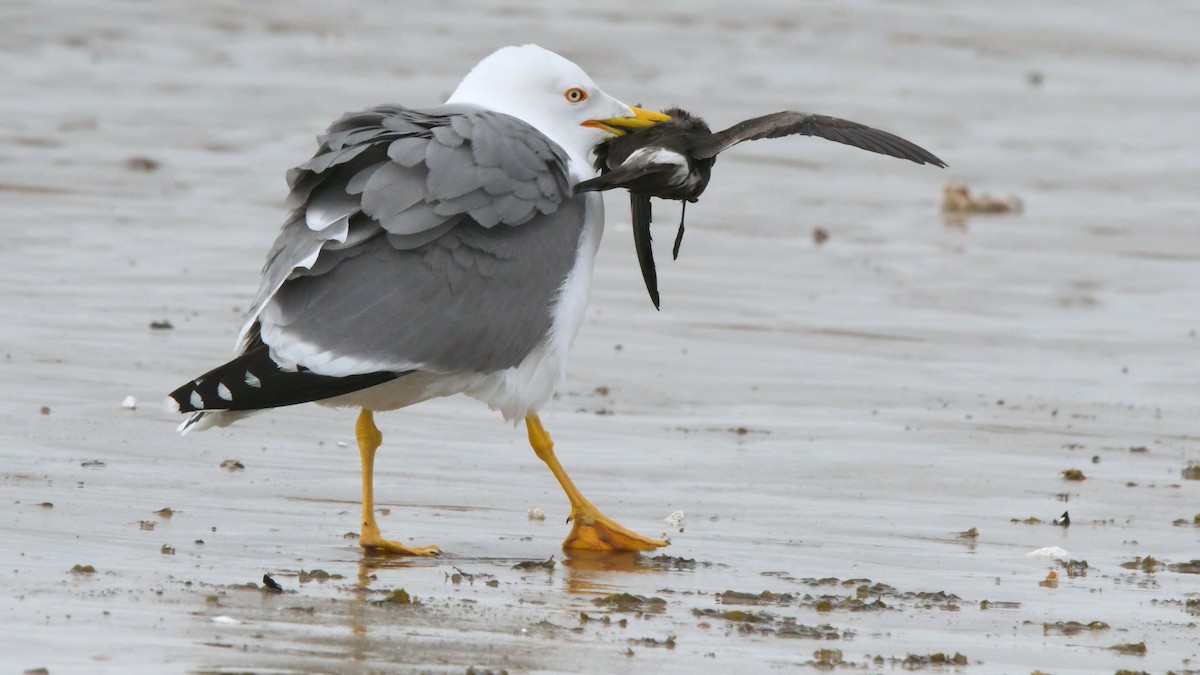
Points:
(836, 129)
(384, 188)
(472, 300)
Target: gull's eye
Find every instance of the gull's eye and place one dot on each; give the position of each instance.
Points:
(575, 95)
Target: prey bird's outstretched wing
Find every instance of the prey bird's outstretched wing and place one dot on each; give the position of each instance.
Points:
(832, 128)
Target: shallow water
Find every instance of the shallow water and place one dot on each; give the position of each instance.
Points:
(842, 411)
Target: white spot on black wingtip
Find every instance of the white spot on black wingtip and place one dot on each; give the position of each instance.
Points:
(196, 400)
(223, 392)
(187, 424)
(253, 381)
(171, 405)
(1064, 520)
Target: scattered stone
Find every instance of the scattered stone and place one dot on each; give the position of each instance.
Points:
(1148, 564)
(1070, 628)
(764, 598)
(627, 602)
(161, 325)
(998, 604)
(668, 642)
(1191, 472)
(92, 463)
(972, 533)
(232, 465)
(1074, 568)
(1190, 567)
(1133, 648)
(147, 525)
(1051, 580)
(820, 235)
(142, 164)
(827, 659)
(83, 569)
(1073, 474)
(316, 575)
(675, 520)
(535, 565)
(400, 597)
(671, 562)
(958, 200)
(914, 661)
(1048, 552)
(536, 514)
(167, 549)
(165, 512)
(45, 410)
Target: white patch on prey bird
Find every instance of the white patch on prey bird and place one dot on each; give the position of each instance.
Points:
(223, 392)
(252, 381)
(649, 156)
(653, 155)
(196, 401)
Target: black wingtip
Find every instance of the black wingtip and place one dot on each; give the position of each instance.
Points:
(253, 381)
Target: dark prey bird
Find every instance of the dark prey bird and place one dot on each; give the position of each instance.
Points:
(674, 159)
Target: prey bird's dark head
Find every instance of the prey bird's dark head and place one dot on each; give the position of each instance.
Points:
(612, 152)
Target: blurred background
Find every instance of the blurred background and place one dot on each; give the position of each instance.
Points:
(847, 371)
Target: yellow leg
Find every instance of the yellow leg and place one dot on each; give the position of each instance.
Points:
(369, 440)
(591, 529)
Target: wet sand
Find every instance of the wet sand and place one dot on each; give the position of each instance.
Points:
(830, 418)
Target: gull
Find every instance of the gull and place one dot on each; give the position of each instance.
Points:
(430, 252)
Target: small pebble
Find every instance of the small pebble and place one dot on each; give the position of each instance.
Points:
(536, 514)
(1048, 552)
(675, 520)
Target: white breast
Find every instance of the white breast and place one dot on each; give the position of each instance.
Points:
(530, 386)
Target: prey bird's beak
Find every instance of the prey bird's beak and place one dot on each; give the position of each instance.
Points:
(619, 125)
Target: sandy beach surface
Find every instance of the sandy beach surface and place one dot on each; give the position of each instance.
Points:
(867, 436)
